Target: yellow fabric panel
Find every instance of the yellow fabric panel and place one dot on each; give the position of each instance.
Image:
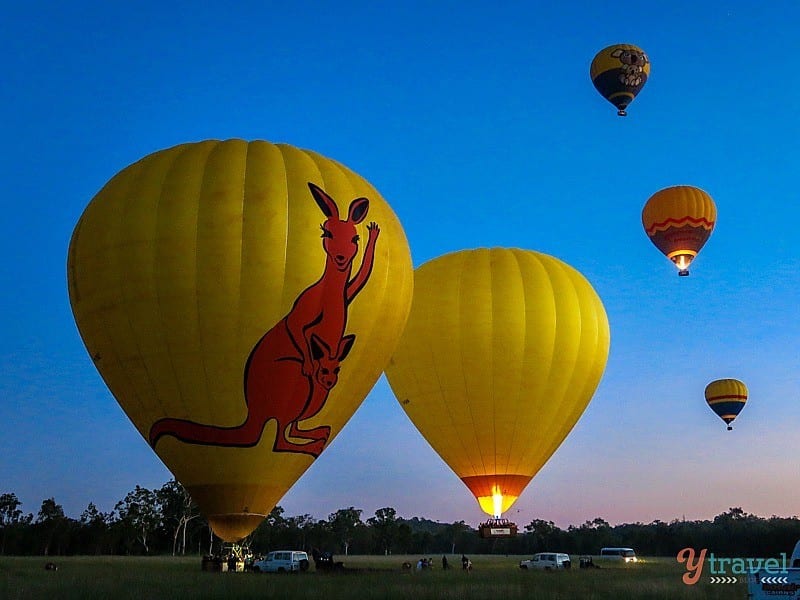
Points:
(678, 205)
(722, 388)
(604, 61)
(180, 265)
(501, 354)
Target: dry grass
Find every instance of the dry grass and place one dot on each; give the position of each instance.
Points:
(497, 577)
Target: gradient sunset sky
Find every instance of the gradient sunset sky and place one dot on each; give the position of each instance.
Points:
(480, 126)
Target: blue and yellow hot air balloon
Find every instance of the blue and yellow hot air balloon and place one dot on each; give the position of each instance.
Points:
(218, 316)
(619, 73)
(727, 398)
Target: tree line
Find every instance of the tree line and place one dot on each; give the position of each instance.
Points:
(166, 521)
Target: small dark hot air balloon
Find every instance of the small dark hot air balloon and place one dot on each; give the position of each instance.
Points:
(619, 72)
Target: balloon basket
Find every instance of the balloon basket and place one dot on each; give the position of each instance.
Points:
(233, 558)
(497, 528)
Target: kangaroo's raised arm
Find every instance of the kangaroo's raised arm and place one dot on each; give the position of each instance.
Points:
(354, 286)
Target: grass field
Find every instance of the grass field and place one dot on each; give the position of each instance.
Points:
(493, 577)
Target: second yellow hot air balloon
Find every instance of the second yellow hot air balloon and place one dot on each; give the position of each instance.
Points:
(218, 286)
(502, 352)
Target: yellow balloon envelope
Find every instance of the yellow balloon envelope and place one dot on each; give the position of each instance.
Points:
(502, 352)
(239, 299)
(679, 220)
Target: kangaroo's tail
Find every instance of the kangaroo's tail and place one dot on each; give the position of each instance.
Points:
(245, 435)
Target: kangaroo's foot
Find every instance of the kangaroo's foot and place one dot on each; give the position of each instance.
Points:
(314, 448)
(318, 433)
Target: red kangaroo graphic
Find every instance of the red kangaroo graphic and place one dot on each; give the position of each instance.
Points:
(294, 366)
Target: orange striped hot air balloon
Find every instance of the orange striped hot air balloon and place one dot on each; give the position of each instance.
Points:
(727, 398)
(679, 220)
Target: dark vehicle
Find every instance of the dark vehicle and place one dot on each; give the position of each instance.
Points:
(324, 563)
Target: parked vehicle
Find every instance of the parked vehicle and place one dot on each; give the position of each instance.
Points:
(781, 580)
(622, 554)
(282, 561)
(547, 561)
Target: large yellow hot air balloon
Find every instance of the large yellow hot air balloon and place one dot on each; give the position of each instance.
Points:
(619, 73)
(502, 352)
(679, 220)
(237, 340)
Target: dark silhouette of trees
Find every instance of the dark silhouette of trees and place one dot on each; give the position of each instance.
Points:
(12, 519)
(177, 511)
(166, 521)
(345, 524)
(386, 529)
(95, 535)
(53, 526)
(140, 516)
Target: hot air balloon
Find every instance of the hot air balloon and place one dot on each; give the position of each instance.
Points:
(619, 73)
(501, 354)
(679, 220)
(727, 398)
(236, 339)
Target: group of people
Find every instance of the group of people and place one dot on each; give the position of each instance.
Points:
(427, 563)
(466, 563)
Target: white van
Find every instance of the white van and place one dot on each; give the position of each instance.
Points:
(282, 561)
(621, 554)
(547, 561)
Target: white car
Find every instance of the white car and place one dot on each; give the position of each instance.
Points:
(619, 554)
(547, 561)
(282, 561)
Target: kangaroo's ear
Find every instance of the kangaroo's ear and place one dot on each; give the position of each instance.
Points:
(358, 210)
(325, 202)
(346, 345)
(318, 347)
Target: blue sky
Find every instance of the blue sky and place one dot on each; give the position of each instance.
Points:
(479, 125)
